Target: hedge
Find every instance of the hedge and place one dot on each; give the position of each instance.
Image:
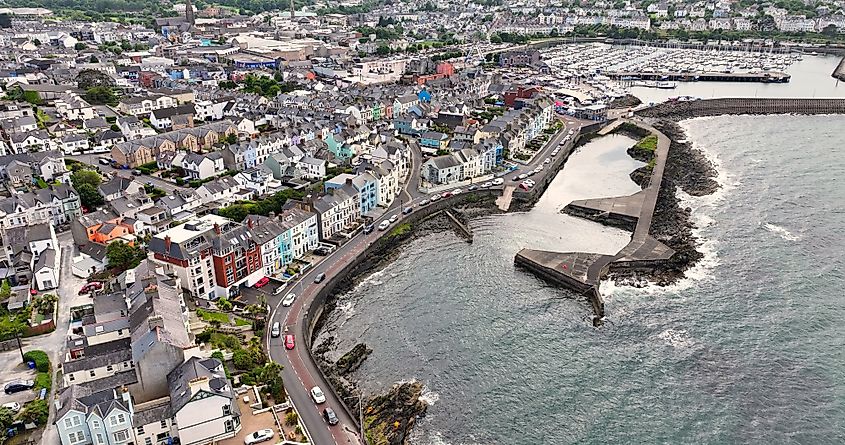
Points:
(42, 361)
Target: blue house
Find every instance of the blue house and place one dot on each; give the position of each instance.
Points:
(424, 96)
(365, 184)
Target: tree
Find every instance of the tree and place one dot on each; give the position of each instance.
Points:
(830, 30)
(5, 290)
(89, 197)
(101, 95)
(124, 256)
(87, 79)
(224, 304)
(80, 177)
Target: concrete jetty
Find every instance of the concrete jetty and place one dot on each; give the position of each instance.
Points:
(583, 272)
(839, 72)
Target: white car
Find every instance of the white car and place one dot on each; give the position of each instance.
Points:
(498, 181)
(288, 301)
(384, 225)
(456, 191)
(12, 406)
(259, 436)
(317, 395)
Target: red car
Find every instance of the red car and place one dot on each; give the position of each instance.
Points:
(92, 286)
(289, 343)
(262, 282)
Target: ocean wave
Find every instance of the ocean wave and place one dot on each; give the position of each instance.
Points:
(780, 231)
(428, 396)
(676, 338)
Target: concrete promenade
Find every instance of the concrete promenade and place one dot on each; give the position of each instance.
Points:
(583, 272)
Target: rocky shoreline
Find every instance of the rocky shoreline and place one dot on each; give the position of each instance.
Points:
(689, 170)
(388, 417)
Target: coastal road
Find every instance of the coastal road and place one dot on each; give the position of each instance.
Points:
(301, 371)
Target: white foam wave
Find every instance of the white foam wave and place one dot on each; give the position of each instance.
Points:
(428, 396)
(676, 338)
(780, 231)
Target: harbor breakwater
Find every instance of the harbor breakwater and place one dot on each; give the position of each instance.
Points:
(679, 110)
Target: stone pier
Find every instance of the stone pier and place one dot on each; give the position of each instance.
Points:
(582, 272)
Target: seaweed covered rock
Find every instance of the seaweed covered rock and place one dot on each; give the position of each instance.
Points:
(389, 418)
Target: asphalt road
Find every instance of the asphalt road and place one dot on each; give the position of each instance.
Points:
(300, 370)
(93, 160)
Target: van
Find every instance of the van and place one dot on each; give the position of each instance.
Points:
(276, 331)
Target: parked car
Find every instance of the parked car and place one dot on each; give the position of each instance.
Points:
(369, 229)
(407, 210)
(18, 386)
(276, 331)
(262, 282)
(319, 278)
(393, 219)
(330, 416)
(289, 342)
(317, 395)
(12, 406)
(288, 301)
(384, 225)
(259, 436)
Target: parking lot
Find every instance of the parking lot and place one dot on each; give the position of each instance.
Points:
(12, 369)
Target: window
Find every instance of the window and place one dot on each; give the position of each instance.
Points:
(121, 436)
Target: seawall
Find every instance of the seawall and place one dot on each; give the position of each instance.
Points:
(679, 110)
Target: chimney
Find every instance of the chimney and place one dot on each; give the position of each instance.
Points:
(167, 243)
(217, 229)
(155, 321)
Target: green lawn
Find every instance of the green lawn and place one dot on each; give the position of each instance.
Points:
(209, 316)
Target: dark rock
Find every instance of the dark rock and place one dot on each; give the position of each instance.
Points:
(626, 101)
(353, 359)
(389, 418)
